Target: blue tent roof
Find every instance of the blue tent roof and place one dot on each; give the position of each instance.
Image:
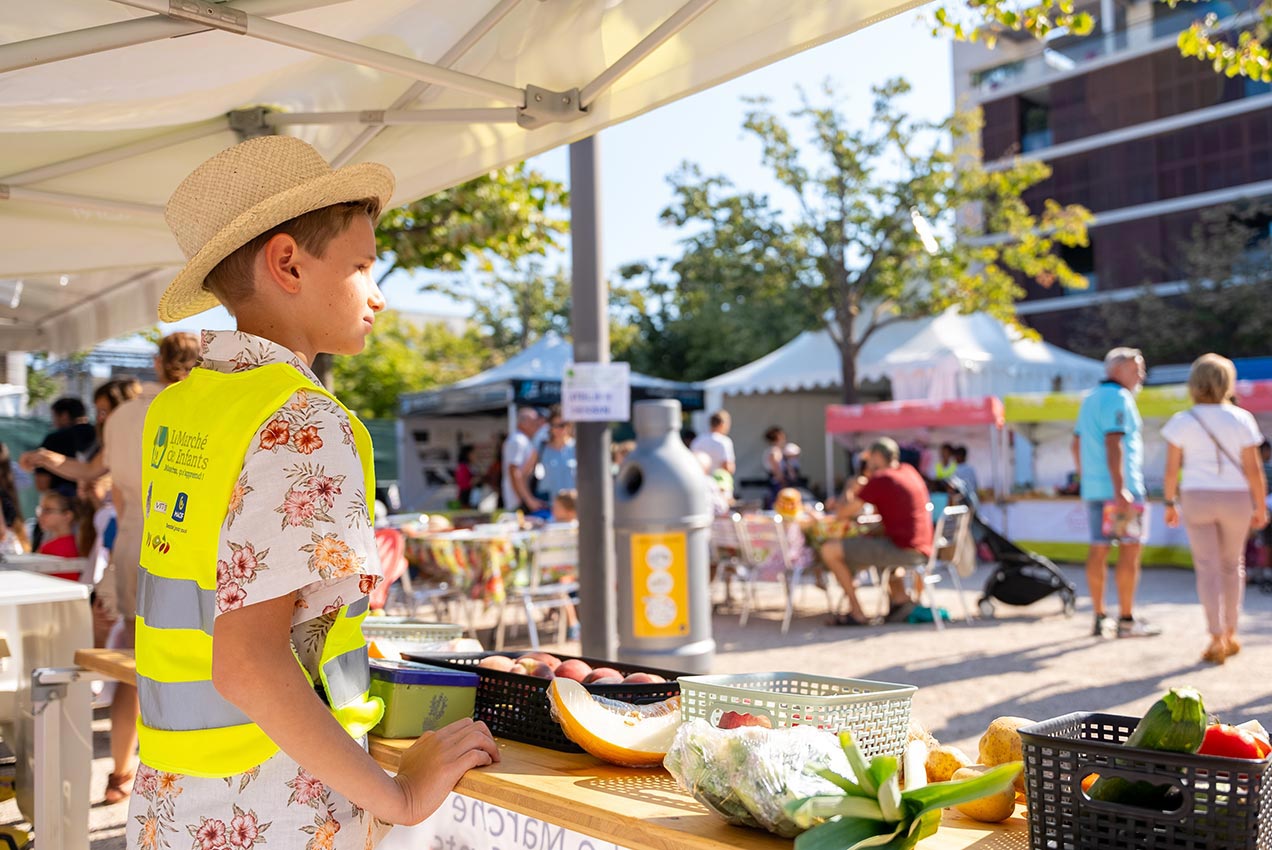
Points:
(531, 377)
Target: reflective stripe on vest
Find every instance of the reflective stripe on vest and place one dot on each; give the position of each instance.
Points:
(196, 431)
(946, 470)
(174, 603)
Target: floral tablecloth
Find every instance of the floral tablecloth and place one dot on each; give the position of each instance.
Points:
(479, 566)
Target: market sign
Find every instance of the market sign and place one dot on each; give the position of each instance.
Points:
(596, 392)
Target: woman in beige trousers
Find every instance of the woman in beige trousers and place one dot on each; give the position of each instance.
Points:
(1220, 494)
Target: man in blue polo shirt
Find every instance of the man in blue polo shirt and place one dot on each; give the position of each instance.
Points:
(1108, 450)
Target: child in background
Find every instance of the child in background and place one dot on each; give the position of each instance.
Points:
(565, 506)
(56, 513)
(96, 495)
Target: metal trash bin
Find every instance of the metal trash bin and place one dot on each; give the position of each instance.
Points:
(43, 621)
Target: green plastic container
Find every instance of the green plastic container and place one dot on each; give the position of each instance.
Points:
(420, 697)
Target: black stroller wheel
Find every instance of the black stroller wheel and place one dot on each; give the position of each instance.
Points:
(986, 606)
(1070, 603)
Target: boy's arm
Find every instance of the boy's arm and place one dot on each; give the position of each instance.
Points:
(254, 669)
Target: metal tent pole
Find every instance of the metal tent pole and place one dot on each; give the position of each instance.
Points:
(391, 117)
(68, 45)
(79, 202)
(598, 576)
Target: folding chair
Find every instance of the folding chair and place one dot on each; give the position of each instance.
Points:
(728, 557)
(554, 552)
(770, 542)
(952, 531)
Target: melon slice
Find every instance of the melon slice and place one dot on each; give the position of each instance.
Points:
(614, 731)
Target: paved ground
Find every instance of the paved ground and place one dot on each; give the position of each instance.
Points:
(1032, 662)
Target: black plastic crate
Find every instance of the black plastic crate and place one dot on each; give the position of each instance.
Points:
(1218, 802)
(517, 707)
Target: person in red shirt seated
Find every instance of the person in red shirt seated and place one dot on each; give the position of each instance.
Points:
(56, 515)
(900, 497)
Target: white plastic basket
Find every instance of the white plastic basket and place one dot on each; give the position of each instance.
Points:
(876, 713)
(407, 633)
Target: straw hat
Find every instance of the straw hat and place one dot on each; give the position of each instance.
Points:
(245, 191)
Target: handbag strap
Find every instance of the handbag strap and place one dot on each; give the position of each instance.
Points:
(1213, 439)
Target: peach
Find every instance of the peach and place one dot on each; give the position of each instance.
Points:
(607, 680)
(602, 673)
(501, 663)
(532, 667)
(638, 679)
(551, 660)
(574, 669)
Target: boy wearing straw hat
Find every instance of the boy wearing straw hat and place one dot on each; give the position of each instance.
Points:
(251, 667)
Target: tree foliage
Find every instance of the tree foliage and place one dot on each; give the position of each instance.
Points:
(739, 289)
(400, 358)
(1224, 308)
(508, 214)
(1243, 52)
(888, 217)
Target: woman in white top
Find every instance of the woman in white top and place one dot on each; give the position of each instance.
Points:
(1221, 493)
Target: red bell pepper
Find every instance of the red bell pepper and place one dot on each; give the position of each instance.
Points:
(1231, 742)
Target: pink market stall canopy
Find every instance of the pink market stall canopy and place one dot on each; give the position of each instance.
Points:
(977, 422)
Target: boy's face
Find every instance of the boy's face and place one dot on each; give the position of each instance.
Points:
(339, 296)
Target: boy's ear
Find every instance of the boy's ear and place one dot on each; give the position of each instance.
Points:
(281, 256)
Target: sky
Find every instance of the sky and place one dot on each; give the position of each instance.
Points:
(637, 156)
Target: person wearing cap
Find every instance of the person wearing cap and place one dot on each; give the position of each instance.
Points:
(259, 550)
(900, 497)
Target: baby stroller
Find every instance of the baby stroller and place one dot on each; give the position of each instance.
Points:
(1020, 577)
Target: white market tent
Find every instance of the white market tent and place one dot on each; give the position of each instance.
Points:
(434, 424)
(942, 358)
(104, 107)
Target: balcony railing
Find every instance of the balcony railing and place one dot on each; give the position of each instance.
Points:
(1065, 54)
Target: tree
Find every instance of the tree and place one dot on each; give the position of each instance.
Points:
(401, 358)
(1227, 262)
(513, 306)
(504, 215)
(739, 289)
(876, 217)
(1243, 52)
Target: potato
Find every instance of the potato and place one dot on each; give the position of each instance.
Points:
(943, 761)
(991, 809)
(1001, 744)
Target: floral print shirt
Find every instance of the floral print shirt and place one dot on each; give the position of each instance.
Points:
(297, 522)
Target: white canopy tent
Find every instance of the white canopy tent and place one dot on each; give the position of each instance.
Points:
(942, 358)
(103, 109)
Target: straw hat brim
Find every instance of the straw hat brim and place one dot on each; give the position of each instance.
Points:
(185, 296)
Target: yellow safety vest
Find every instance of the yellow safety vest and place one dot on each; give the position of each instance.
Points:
(197, 433)
(946, 470)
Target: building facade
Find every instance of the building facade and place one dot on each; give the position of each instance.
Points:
(1143, 137)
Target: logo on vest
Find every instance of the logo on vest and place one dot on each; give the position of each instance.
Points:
(189, 455)
(179, 509)
(158, 542)
(160, 447)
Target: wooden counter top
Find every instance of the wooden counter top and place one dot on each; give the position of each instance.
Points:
(638, 809)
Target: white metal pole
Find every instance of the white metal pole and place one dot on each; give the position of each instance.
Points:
(110, 155)
(390, 117)
(335, 48)
(78, 202)
(680, 19)
(68, 45)
(457, 51)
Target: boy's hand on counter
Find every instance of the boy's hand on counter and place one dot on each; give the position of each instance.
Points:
(429, 770)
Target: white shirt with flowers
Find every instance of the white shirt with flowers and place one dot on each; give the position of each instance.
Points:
(297, 522)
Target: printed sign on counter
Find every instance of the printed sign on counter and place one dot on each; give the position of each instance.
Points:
(466, 824)
(596, 392)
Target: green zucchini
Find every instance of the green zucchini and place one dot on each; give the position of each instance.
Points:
(1176, 723)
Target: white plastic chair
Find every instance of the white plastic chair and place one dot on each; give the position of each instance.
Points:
(728, 557)
(767, 538)
(953, 529)
(553, 548)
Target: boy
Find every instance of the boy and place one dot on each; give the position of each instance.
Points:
(251, 667)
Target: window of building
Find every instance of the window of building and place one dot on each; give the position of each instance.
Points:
(1081, 258)
(1035, 120)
